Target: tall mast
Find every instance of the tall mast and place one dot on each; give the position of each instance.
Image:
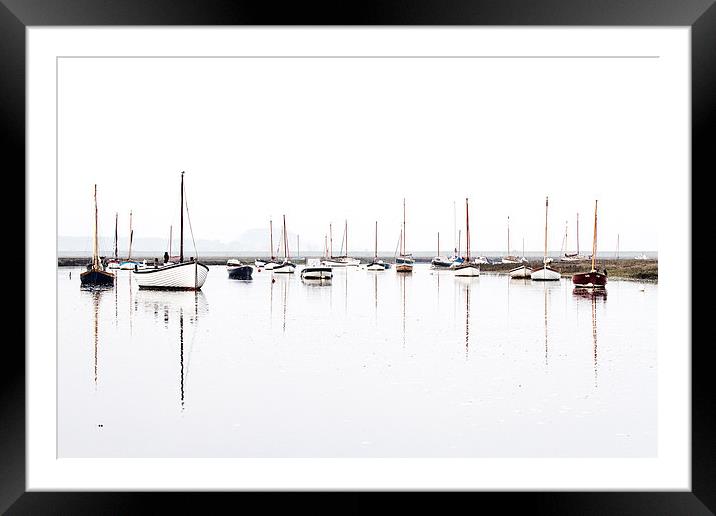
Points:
(116, 236)
(330, 232)
(577, 233)
(403, 253)
(346, 237)
(459, 241)
(181, 219)
(594, 241)
(376, 240)
(131, 233)
(508, 235)
(271, 238)
(467, 230)
(546, 207)
(454, 229)
(285, 239)
(95, 243)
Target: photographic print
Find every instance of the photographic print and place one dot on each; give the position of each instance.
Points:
(361, 256)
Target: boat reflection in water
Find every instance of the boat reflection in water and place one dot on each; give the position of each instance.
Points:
(184, 307)
(592, 295)
(96, 295)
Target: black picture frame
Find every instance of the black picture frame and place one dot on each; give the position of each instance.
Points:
(700, 15)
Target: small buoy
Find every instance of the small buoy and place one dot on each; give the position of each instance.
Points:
(273, 280)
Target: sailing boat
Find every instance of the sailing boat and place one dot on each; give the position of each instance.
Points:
(404, 262)
(287, 266)
(129, 264)
(509, 258)
(573, 257)
(546, 273)
(114, 262)
(467, 268)
(440, 262)
(271, 262)
(95, 275)
(591, 279)
(521, 272)
(376, 264)
(343, 260)
(189, 275)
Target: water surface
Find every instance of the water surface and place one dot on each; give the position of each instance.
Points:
(372, 364)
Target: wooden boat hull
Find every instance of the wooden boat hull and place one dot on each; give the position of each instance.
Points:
(521, 272)
(284, 268)
(180, 276)
(467, 270)
(317, 273)
(545, 274)
(96, 278)
(591, 279)
(240, 272)
(403, 267)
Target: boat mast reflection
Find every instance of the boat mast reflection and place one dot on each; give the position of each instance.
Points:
(467, 319)
(402, 287)
(181, 356)
(593, 295)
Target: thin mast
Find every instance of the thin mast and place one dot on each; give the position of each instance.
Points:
(577, 233)
(181, 219)
(95, 243)
(594, 241)
(459, 241)
(403, 226)
(131, 233)
(546, 207)
(454, 229)
(271, 238)
(116, 237)
(346, 237)
(508, 235)
(467, 230)
(330, 231)
(285, 239)
(376, 240)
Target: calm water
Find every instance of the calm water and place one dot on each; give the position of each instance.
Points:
(369, 365)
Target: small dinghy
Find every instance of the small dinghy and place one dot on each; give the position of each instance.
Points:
(521, 272)
(238, 270)
(316, 273)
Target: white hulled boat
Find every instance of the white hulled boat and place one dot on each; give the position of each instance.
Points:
(467, 268)
(404, 262)
(546, 273)
(189, 275)
(376, 264)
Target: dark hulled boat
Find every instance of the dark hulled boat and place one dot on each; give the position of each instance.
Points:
(95, 275)
(593, 278)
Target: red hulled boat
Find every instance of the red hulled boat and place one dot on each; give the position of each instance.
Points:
(593, 278)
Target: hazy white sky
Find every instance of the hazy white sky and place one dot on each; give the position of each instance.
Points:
(322, 140)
